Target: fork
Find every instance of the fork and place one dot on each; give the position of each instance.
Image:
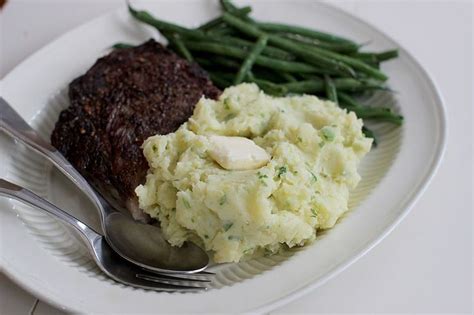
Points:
(109, 262)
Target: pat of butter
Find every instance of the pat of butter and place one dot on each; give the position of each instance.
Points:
(237, 153)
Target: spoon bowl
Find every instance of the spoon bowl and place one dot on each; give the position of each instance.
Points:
(163, 257)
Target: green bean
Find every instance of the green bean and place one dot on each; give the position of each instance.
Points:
(218, 80)
(224, 75)
(288, 77)
(366, 57)
(341, 84)
(378, 114)
(229, 7)
(122, 45)
(336, 47)
(225, 50)
(349, 84)
(310, 76)
(365, 112)
(347, 101)
(376, 57)
(331, 92)
(250, 60)
(269, 75)
(320, 71)
(147, 18)
(267, 86)
(355, 63)
(370, 134)
(268, 50)
(235, 41)
(181, 49)
(204, 62)
(282, 28)
(221, 31)
(310, 55)
(218, 20)
(213, 60)
(386, 55)
(306, 86)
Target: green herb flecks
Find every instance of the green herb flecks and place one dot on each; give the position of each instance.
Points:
(227, 103)
(233, 238)
(282, 171)
(262, 177)
(248, 251)
(328, 133)
(186, 203)
(227, 226)
(229, 116)
(314, 213)
(313, 177)
(223, 200)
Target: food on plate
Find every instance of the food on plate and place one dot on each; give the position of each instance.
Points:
(313, 149)
(282, 59)
(123, 99)
(261, 166)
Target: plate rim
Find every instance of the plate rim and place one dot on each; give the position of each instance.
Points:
(278, 302)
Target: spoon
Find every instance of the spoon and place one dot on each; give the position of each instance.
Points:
(139, 243)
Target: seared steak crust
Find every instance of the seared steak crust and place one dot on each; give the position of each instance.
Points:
(123, 99)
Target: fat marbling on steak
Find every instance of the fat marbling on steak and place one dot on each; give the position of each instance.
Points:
(126, 96)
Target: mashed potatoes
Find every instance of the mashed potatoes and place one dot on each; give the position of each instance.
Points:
(315, 148)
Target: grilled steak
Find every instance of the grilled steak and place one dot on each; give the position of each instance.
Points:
(123, 99)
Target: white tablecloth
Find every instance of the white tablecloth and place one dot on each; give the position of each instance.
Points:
(425, 265)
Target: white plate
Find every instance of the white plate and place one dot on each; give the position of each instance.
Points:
(46, 259)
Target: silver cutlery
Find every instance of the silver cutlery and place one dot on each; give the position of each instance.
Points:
(141, 244)
(106, 259)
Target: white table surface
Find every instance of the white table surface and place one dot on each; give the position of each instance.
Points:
(425, 265)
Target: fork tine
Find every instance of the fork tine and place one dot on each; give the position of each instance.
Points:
(174, 277)
(177, 284)
(181, 276)
(203, 273)
(165, 287)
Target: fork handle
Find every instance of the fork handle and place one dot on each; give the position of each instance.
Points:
(12, 190)
(15, 126)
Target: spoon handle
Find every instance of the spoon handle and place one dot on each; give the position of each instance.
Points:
(15, 126)
(11, 190)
